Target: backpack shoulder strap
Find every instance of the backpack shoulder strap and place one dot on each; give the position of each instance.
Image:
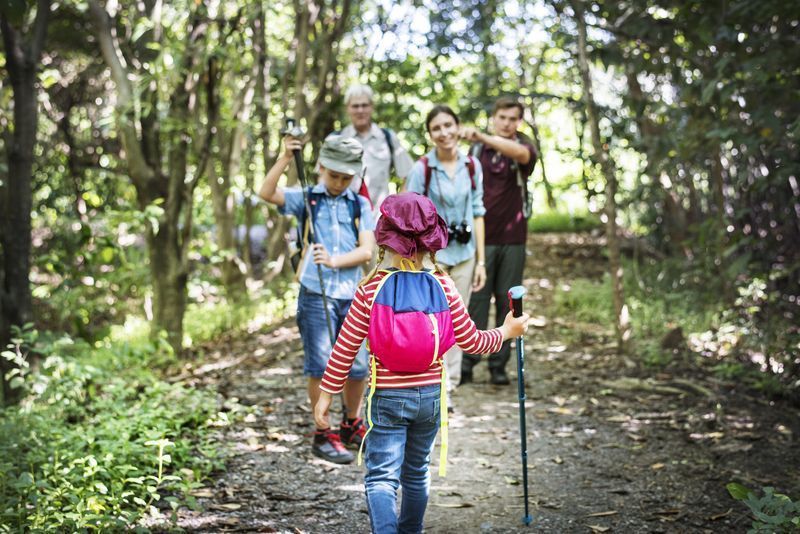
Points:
(354, 205)
(313, 201)
(388, 275)
(428, 173)
(471, 170)
(387, 133)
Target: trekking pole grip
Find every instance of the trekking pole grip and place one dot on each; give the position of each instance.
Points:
(515, 295)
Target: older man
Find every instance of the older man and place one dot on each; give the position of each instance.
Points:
(382, 149)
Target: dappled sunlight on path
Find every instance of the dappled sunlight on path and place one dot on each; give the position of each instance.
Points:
(612, 446)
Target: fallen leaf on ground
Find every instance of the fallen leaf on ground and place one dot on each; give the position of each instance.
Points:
(453, 504)
(202, 492)
(717, 517)
(511, 480)
(560, 410)
(656, 467)
(603, 514)
(668, 511)
(228, 506)
(558, 460)
(598, 528)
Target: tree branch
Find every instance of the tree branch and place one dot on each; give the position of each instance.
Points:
(141, 173)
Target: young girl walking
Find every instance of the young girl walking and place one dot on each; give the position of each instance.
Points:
(406, 401)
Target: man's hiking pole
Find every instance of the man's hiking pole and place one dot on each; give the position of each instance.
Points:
(294, 130)
(515, 295)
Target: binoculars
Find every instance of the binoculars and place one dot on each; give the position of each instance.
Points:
(461, 232)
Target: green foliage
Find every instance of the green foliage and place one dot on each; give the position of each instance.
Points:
(772, 512)
(100, 439)
(584, 301)
(561, 221)
(207, 321)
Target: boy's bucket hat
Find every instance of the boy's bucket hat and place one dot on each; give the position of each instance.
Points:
(341, 154)
(409, 223)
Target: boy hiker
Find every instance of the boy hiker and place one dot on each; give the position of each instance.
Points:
(382, 149)
(343, 241)
(507, 159)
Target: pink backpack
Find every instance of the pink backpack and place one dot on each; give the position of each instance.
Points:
(410, 330)
(410, 327)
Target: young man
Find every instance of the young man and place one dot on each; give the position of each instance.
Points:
(344, 240)
(382, 148)
(507, 159)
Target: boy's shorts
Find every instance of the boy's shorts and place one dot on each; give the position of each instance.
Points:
(316, 340)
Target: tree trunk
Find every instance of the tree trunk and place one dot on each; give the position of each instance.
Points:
(168, 240)
(169, 285)
(22, 59)
(622, 319)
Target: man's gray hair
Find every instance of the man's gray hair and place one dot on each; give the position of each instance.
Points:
(357, 90)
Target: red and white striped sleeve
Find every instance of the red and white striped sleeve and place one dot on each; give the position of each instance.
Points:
(468, 337)
(351, 336)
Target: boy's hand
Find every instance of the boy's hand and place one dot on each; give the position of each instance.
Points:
(290, 144)
(321, 255)
(468, 133)
(515, 326)
(321, 409)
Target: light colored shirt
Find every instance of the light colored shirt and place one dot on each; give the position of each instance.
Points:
(356, 324)
(333, 228)
(454, 198)
(378, 161)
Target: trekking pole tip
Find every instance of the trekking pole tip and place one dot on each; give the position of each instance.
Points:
(527, 520)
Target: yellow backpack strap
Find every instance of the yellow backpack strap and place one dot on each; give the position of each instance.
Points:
(373, 379)
(407, 265)
(443, 422)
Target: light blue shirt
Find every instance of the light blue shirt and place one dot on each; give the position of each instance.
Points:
(334, 229)
(454, 198)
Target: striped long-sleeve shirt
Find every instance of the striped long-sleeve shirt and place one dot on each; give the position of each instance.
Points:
(356, 325)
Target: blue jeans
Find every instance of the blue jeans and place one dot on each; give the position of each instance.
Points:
(398, 452)
(316, 338)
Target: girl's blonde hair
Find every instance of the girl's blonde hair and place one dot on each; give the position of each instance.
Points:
(382, 254)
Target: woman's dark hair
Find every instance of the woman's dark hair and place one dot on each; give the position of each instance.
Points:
(439, 108)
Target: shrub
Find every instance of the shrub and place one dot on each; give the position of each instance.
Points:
(772, 512)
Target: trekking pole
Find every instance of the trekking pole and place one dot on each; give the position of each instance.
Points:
(296, 131)
(515, 295)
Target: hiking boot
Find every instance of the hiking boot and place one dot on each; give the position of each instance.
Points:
(352, 434)
(499, 377)
(328, 446)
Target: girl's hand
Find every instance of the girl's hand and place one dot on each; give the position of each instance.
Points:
(514, 326)
(479, 278)
(290, 144)
(321, 409)
(321, 255)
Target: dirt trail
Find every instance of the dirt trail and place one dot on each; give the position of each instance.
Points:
(641, 457)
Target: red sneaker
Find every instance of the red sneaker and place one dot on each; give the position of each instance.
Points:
(328, 446)
(353, 434)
